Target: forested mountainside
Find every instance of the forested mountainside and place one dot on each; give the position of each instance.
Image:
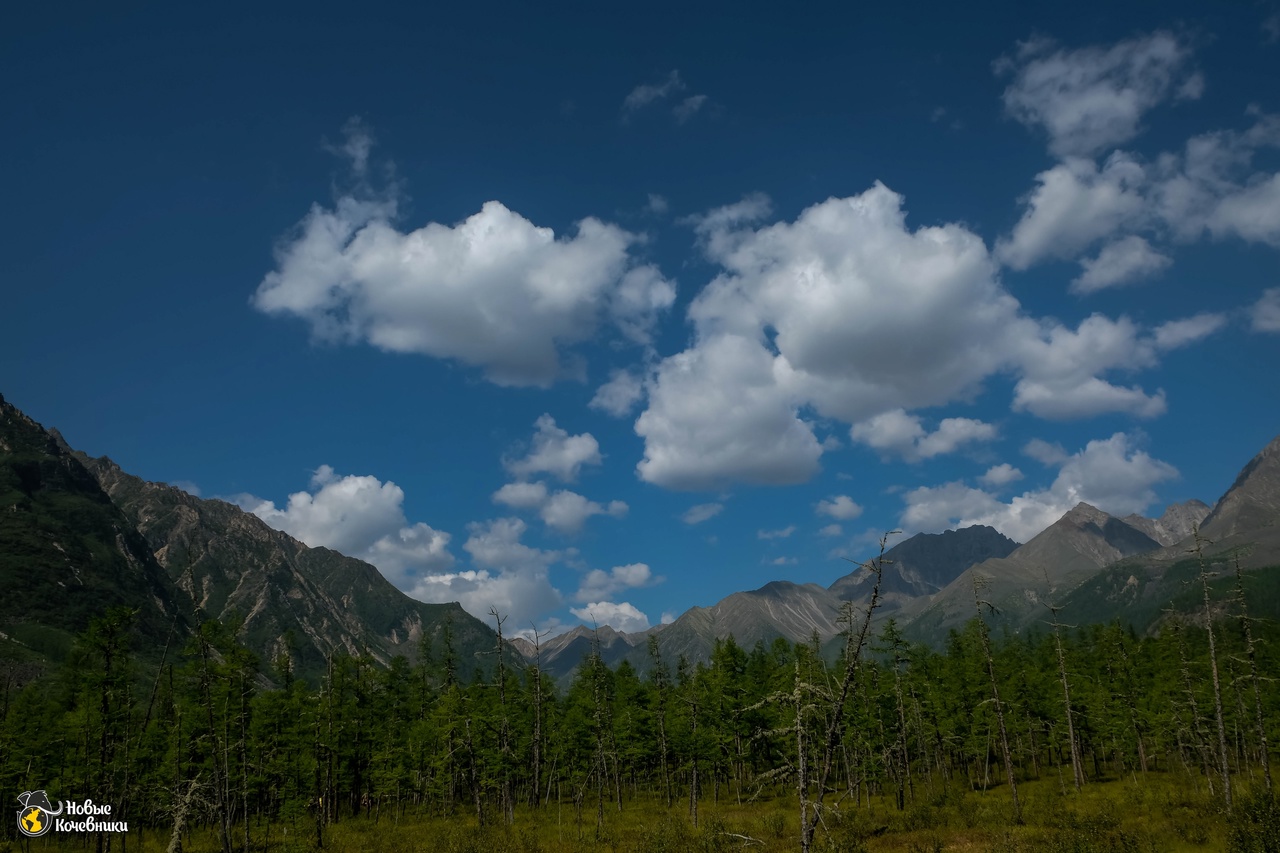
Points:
(83, 535)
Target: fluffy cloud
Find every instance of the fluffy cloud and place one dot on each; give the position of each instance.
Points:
(1075, 204)
(689, 107)
(1060, 371)
(1001, 475)
(1110, 474)
(1046, 453)
(555, 452)
(624, 617)
(362, 517)
(648, 93)
(831, 530)
(509, 575)
(1127, 260)
(1180, 333)
(701, 512)
(846, 315)
(599, 585)
(896, 432)
(521, 495)
(563, 511)
(1094, 98)
(840, 507)
(781, 533)
(620, 394)
(1207, 188)
(567, 511)
(494, 291)
(1265, 313)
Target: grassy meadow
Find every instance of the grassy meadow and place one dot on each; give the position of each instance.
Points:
(1161, 813)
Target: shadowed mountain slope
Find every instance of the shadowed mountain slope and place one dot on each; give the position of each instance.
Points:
(67, 553)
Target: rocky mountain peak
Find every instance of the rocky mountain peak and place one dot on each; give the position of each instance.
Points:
(1251, 507)
(1176, 524)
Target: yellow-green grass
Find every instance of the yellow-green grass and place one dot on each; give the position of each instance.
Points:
(1158, 813)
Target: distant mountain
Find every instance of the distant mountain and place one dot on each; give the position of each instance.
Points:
(778, 609)
(924, 564)
(68, 554)
(1055, 561)
(1249, 513)
(561, 655)
(1245, 522)
(309, 602)
(1175, 525)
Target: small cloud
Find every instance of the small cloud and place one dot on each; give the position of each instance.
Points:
(1271, 28)
(701, 512)
(619, 396)
(1044, 452)
(688, 108)
(556, 452)
(187, 486)
(657, 205)
(624, 617)
(1180, 333)
(783, 561)
(1000, 475)
(643, 95)
(1266, 311)
(831, 530)
(840, 507)
(599, 585)
(668, 617)
(782, 533)
(938, 114)
(1125, 261)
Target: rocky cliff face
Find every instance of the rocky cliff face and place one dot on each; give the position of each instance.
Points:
(67, 553)
(286, 597)
(1175, 525)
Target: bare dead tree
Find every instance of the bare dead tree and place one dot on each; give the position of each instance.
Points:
(979, 583)
(536, 673)
(1204, 575)
(855, 643)
(504, 723)
(1251, 654)
(1077, 772)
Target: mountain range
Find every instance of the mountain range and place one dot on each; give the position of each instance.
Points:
(78, 535)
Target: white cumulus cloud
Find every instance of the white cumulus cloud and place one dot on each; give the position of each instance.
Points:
(1111, 474)
(896, 432)
(624, 616)
(554, 451)
(599, 585)
(1095, 97)
(839, 507)
(362, 517)
(619, 396)
(1265, 314)
(701, 512)
(494, 291)
(1001, 475)
(1127, 260)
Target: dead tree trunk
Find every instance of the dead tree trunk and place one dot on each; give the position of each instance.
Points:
(978, 583)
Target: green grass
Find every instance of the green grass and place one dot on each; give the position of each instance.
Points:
(1161, 814)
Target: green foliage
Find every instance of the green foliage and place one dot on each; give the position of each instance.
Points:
(1255, 826)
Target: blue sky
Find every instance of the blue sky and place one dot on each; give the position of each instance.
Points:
(606, 314)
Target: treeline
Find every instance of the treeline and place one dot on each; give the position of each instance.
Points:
(211, 737)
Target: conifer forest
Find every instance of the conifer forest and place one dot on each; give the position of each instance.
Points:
(1072, 738)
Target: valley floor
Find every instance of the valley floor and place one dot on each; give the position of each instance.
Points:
(1161, 813)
